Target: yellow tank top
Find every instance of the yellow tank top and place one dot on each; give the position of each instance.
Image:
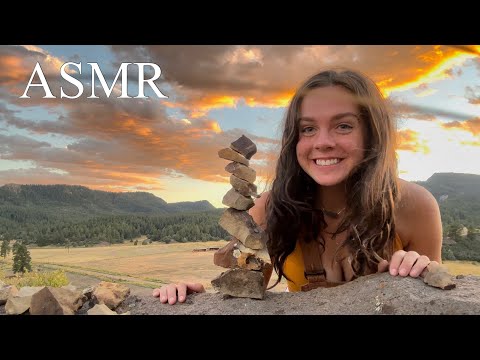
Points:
(294, 267)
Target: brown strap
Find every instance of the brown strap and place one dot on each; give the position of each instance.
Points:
(314, 270)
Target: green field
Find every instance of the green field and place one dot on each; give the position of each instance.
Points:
(157, 263)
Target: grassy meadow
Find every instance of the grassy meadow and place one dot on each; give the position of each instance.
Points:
(144, 265)
(157, 263)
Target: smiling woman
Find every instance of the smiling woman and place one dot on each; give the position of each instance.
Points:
(337, 209)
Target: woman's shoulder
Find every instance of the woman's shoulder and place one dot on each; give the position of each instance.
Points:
(416, 211)
(413, 195)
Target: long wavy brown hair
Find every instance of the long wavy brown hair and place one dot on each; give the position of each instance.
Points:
(371, 188)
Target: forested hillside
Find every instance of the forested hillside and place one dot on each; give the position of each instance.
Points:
(458, 196)
(77, 216)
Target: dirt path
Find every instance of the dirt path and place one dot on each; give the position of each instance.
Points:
(83, 278)
(81, 281)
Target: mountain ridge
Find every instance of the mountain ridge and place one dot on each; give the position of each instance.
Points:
(80, 199)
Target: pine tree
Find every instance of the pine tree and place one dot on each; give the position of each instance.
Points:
(21, 258)
(5, 249)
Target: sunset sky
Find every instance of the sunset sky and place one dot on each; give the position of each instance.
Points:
(168, 146)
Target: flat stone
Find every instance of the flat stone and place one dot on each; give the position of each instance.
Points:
(243, 187)
(244, 146)
(241, 225)
(237, 201)
(230, 154)
(240, 283)
(241, 171)
(438, 276)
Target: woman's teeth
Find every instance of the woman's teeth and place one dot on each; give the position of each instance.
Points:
(327, 162)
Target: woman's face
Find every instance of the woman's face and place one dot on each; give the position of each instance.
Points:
(331, 135)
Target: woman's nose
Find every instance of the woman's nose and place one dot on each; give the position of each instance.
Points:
(324, 140)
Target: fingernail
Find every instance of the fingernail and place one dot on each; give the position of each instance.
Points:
(171, 300)
(163, 298)
(403, 272)
(393, 272)
(181, 298)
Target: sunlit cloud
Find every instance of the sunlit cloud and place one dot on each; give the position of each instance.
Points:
(170, 146)
(268, 75)
(472, 125)
(473, 94)
(409, 140)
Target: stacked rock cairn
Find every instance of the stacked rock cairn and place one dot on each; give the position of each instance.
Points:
(245, 255)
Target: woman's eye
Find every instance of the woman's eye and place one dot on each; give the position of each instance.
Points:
(344, 127)
(307, 130)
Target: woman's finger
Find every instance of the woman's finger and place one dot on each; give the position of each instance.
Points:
(421, 263)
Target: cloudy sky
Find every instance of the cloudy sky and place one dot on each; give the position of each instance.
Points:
(168, 146)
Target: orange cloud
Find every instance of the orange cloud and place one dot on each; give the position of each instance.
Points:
(408, 140)
(472, 125)
(268, 75)
(123, 144)
(12, 70)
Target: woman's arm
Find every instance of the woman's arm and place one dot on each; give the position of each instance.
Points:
(420, 228)
(420, 216)
(258, 211)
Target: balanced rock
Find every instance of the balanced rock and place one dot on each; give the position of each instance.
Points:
(241, 171)
(241, 225)
(237, 201)
(236, 255)
(229, 154)
(243, 187)
(244, 146)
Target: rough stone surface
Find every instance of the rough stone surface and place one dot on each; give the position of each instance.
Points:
(56, 301)
(101, 309)
(229, 154)
(6, 292)
(243, 187)
(237, 201)
(20, 302)
(110, 294)
(368, 295)
(241, 171)
(244, 146)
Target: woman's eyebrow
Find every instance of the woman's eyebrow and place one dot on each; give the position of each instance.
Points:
(306, 119)
(342, 115)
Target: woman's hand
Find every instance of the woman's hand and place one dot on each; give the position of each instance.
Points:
(411, 263)
(172, 292)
